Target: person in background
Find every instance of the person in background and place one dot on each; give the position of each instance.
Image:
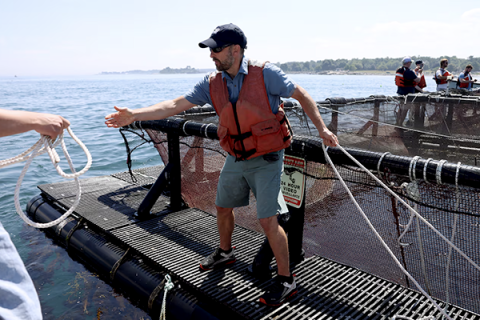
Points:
(406, 80)
(254, 131)
(18, 297)
(465, 78)
(442, 76)
(419, 73)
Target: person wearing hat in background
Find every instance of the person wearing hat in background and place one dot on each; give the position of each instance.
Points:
(419, 73)
(406, 79)
(465, 78)
(254, 131)
(442, 76)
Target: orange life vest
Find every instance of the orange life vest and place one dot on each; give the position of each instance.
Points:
(400, 81)
(422, 84)
(465, 84)
(441, 81)
(248, 128)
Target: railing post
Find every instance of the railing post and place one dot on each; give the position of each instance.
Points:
(376, 117)
(295, 230)
(175, 174)
(144, 210)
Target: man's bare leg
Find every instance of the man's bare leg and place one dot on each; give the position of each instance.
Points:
(278, 242)
(225, 225)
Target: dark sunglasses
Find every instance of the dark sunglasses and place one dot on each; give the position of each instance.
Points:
(219, 49)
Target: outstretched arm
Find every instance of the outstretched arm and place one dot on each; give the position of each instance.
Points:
(162, 110)
(15, 121)
(310, 107)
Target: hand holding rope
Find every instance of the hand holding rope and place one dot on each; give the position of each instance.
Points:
(43, 145)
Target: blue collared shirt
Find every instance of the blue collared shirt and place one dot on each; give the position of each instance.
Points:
(277, 83)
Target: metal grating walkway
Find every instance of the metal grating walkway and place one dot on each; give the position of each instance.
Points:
(177, 241)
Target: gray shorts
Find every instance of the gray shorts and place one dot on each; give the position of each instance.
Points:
(257, 174)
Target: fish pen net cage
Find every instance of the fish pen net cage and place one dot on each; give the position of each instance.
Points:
(446, 194)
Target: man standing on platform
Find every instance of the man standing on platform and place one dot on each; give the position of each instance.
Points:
(254, 131)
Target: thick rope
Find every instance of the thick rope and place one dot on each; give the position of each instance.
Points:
(425, 166)
(168, 286)
(378, 235)
(412, 168)
(422, 254)
(380, 162)
(44, 144)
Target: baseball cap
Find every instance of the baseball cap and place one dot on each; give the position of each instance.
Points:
(406, 60)
(223, 35)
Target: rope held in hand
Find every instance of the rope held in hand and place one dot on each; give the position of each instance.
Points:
(44, 145)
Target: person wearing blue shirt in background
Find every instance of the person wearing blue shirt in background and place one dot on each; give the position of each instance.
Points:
(18, 298)
(406, 79)
(240, 174)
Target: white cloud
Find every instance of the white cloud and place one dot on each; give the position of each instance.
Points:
(472, 15)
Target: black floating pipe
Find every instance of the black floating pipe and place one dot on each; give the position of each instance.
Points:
(133, 277)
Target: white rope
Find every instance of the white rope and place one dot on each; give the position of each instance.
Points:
(206, 131)
(378, 235)
(438, 173)
(168, 285)
(37, 150)
(425, 170)
(184, 124)
(379, 162)
(422, 254)
(412, 168)
(414, 98)
(407, 227)
(395, 317)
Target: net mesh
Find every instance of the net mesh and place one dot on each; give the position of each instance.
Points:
(436, 126)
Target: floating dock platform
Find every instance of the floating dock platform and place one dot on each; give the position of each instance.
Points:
(134, 256)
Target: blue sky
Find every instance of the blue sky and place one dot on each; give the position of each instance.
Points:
(72, 37)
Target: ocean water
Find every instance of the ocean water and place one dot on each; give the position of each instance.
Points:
(67, 290)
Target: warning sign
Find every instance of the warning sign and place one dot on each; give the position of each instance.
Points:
(293, 180)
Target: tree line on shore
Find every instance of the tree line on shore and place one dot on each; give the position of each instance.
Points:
(378, 64)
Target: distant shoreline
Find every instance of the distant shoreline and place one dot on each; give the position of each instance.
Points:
(168, 70)
(353, 73)
(205, 71)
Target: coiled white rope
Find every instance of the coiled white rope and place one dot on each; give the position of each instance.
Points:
(168, 285)
(378, 235)
(43, 145)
